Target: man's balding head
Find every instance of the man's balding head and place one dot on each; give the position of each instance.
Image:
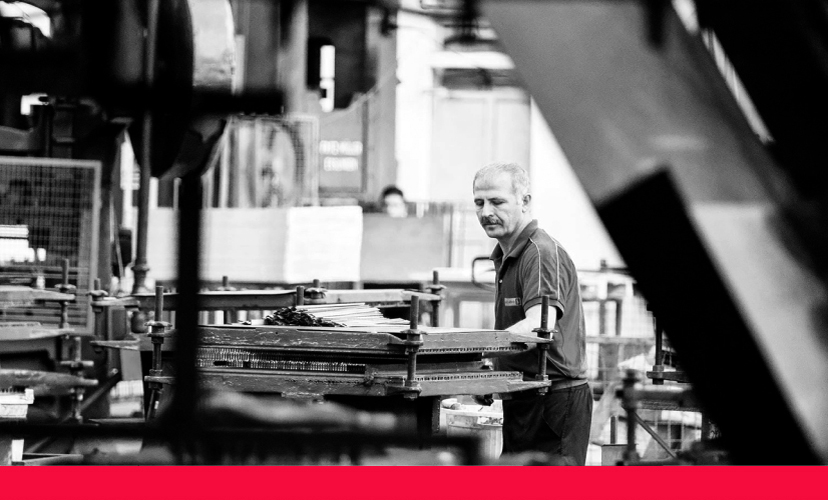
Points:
(519, 177)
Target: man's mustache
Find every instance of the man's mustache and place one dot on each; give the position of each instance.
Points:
(491, 219)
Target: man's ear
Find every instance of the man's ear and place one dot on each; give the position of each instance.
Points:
(527, 198)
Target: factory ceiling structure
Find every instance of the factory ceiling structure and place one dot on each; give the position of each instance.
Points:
(724, 234)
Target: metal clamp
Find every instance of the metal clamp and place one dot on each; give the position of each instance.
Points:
(65, 287)
(546, 334)
(158, 332)
(97, 293)
(436, 288)
(229, 315)
(315, 294)
(413, 342)
(76, 365)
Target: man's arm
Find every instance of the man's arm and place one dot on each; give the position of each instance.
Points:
(524, 326)
(533, 319)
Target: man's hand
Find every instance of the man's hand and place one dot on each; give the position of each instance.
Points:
(485, 400)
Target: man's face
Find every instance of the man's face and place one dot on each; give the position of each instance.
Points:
(499, 210)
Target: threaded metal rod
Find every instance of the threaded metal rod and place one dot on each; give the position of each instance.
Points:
(415, 312)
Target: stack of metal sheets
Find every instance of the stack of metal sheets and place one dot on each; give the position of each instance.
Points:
(354, 315)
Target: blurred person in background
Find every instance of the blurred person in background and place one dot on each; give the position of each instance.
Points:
(392, 202)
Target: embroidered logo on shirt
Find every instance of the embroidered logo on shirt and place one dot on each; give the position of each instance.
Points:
(512, 302)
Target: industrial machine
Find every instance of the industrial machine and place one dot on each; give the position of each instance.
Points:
(380, 367)
(358, 362)
(37, 361)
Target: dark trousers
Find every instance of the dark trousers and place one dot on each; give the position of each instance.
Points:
(556, 423)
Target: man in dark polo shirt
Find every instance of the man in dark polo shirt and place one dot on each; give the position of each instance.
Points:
(531, 264)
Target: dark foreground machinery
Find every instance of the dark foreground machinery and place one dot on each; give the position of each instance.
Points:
(725, 234)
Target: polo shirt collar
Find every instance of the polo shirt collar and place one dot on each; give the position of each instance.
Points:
(520, 242)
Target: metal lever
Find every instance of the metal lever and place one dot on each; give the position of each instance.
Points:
(544, 333)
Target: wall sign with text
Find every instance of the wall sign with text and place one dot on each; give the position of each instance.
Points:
(340, 165)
